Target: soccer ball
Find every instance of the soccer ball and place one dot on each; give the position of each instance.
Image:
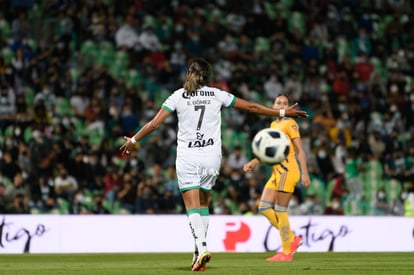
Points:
(270, 146)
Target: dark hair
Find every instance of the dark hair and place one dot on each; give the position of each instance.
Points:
(198, 74)
(281, 94)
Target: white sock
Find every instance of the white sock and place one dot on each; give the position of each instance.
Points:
(206, 220)
(197, 229)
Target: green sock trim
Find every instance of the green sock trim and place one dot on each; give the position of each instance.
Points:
(193, 211)
(204, 211)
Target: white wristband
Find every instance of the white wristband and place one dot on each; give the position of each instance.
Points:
(133, 140)
(281, 112)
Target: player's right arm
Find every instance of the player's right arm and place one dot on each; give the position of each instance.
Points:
(148, 128)
(259, 109)
(248, 167)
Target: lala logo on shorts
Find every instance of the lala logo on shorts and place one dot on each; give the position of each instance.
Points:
(233, 237)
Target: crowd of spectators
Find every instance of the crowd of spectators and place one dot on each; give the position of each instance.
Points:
(78, 75)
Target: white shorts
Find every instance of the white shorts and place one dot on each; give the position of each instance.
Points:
(197, 172)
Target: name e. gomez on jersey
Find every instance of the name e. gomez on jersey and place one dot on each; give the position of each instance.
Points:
(199, 118)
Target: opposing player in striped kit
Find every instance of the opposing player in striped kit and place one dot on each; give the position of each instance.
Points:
(279, 188)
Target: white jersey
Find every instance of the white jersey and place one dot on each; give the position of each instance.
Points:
(199, 119)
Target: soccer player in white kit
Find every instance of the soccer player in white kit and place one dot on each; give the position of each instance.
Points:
(198, 159)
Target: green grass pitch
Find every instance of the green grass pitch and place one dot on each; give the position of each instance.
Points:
(221, 263)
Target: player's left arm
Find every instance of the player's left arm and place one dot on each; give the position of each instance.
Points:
(302, 161)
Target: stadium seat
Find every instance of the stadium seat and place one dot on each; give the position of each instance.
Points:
(95, 138)
(4, 28)
(261, 44)
(7, 54)
(133, 78)
(106, 54)
(63, 206)
(329, 189)
(29, 96)
(8, 132)
(28, 134)
(35, 211)
(63, 106)
(75, 73)
(378, 66)
(356, 207)
(283, 5)
(36, 11)
(88, 52)
(343, 47)
(317, 187)
(393, 189)
(296, 21)
(371, 179)
(161, 95)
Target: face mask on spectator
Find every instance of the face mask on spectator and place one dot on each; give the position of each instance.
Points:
(381, 195)
(335, 205)
(322, 154)
(65, 122)
(80, 198)
(179, 28)
(25, 175)
(342, 107)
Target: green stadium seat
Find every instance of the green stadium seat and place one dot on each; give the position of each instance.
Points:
(106, 54)
(88, 52)
(8, 132)
(95, 138)
(4, 28)
(123, 211)
(261, 44)
(7, 182)
(378, 66)
(372, 179)
(105, 58)
(75, 73)
(317, 188)
(63, 106)
(29, 96)
(28, 134)
(36, 11)
(161, 95)
(329, 188)
(286, 4)
(393, 189)
(35, 211)
(63, 206)
(133, 78)
(356, 207)
(116, 208)
(343, 47)
(296, 21)
(7, 54)
(270, 9)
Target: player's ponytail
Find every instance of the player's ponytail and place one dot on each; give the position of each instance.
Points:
(198, 75)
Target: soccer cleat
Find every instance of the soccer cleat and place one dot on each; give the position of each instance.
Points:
(195, 257)
(200, 264)
(294, 245)
(280, 257)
